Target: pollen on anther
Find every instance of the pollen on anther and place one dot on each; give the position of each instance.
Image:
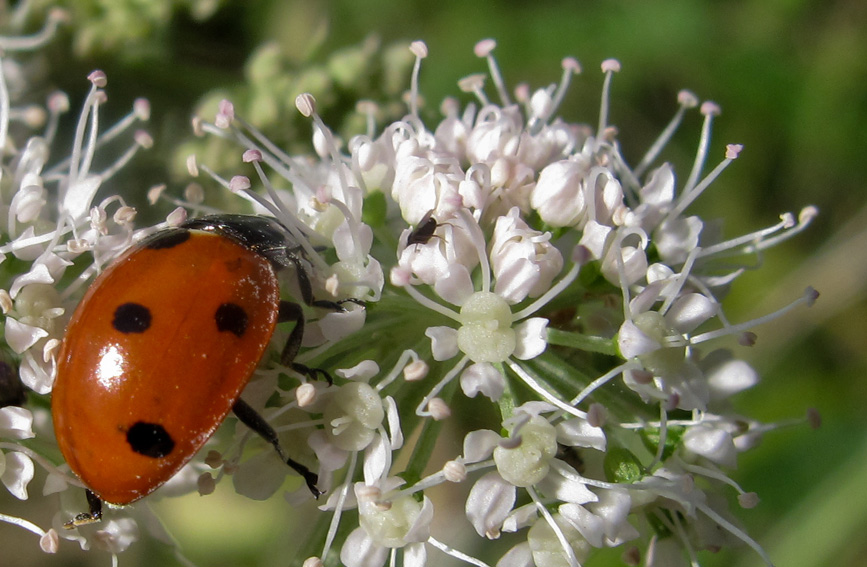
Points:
(206, 484)
(732, 150)
(239, 183)
(438, 409)
(305, 395)
(98, 78)
(748, 500)
(58, 102)
(571, 64)
(687, 99)
(472, 83)
(143, 139)
(192, 165)
(418, 48)
(251, 155)
(415, 371)
(306, 104)
(610, 66)
(155, 192)
(142, 109)
(710, 108)
(455, 471)
(194, 193)
(484, 47)
(225, 114)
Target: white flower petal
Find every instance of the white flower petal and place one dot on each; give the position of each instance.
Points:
(675, 238)
(727, 376)
(16, 423)
(415, 555)
(393, 418)
(712, 443)
(419, 530)
(377, 460)
(455, 285)
(633, 342)
(20, 336)
(489, 503)
(27, 253)
(558, 195)
(359, 550)
(566, 488)
(54, 483)
(590, 526)
(363, 371)
(116, 535)
(689, 311)
(329, 456)
(518, 556)
(479, 445)
(645, 300)
(596, 238)
(659, 190)
(338, 324)
(444, 342)
(532, 338)
(17, 474)
(613, 507)
(515, 279)
(576, 432)
(521, 517)
(36, 373)
(482, 377)
(79, 196)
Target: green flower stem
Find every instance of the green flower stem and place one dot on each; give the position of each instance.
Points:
(587, 343)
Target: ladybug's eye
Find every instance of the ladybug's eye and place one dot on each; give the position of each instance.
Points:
(150, 439)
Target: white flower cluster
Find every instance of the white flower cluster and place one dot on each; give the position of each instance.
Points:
(52, 221)
(529, 249)
(505, 251)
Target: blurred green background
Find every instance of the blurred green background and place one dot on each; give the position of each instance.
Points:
(791, 78)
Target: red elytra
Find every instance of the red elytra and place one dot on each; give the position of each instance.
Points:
(159, 350)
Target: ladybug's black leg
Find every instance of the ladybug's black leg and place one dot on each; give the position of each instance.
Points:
(257, 423)
(91, 517)
(337, 305)
(292, 312)
(304, 285)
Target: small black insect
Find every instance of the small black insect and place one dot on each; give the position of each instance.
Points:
(424, 230)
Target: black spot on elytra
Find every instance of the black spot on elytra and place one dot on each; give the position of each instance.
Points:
(231, 317)
(167, 238)
(131, 318)
(150, 439)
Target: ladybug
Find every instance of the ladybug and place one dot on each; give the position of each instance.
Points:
(161, 346)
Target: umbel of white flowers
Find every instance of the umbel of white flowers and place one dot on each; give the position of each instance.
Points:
(525, 261)
(483, 194)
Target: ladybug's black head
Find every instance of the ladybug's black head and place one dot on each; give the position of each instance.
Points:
(264, 236)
